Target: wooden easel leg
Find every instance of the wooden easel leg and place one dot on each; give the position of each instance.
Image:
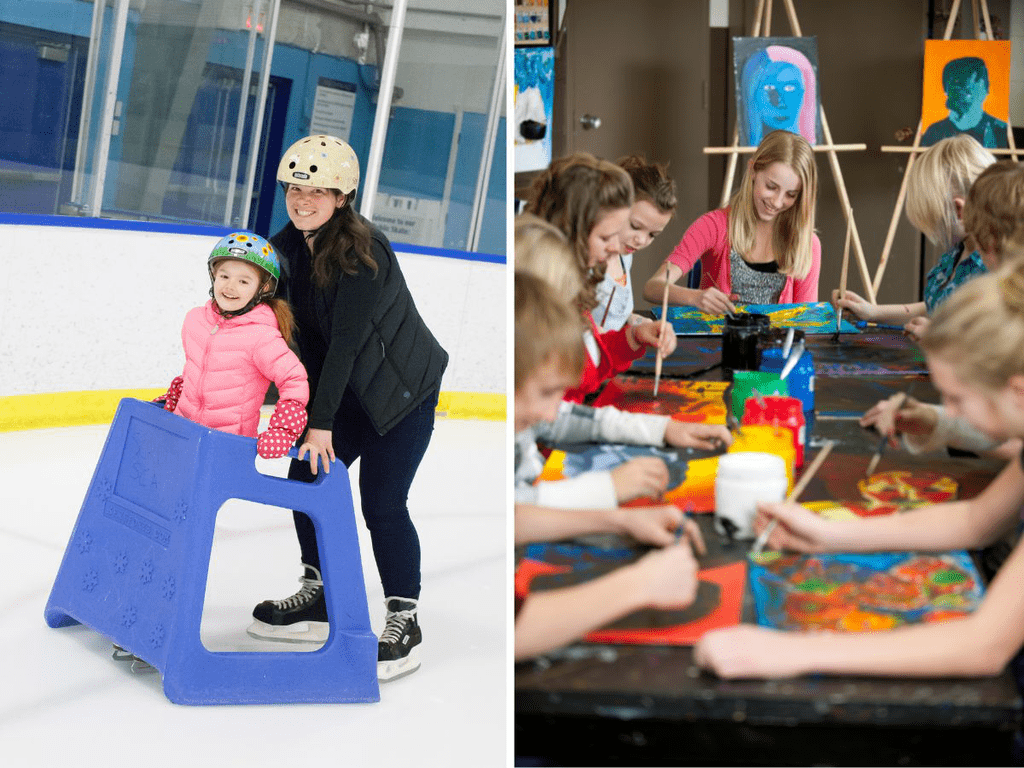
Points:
(837, 174)
(730, 170)
(901, 197)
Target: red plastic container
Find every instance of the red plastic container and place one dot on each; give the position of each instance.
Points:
(777, 410)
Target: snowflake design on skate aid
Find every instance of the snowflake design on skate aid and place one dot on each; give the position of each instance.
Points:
(104, 489)
(146, 572)
(129, 615)
(84, 542)
(181, 511)
(157, 635)
(89, 580)
(167, 588)
(121, 561)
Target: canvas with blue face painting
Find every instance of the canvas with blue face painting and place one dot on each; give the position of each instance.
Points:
(776, 87)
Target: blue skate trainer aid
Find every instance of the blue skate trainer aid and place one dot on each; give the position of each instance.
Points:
(136, 565)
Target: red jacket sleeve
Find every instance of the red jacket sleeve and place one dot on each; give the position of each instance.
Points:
(616, 356)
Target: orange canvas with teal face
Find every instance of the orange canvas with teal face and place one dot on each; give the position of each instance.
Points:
(966, 89)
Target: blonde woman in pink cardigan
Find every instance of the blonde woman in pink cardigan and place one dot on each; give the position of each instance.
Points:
(235, 345)
(761, 249)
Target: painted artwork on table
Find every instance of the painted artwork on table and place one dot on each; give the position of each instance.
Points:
(776, 87)
(718, 603)
(534, 98)
(691, 483)
(966, 90)
(691, 401)
(862, 592)
(870, 353)
(812, 318)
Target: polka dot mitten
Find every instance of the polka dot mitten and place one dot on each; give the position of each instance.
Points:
(170, 397)
(286, 426)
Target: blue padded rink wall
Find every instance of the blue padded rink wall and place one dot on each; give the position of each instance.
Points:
(63, 693)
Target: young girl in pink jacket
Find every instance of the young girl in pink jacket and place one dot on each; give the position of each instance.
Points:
(236, 344)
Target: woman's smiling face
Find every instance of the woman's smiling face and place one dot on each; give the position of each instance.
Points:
(309, 208)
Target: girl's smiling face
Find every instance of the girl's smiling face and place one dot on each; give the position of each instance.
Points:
(309, 208)
(645, 222)
(605, 241)
(235, 283)
(776, 189)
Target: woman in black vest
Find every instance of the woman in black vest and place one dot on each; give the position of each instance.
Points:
(374, 374)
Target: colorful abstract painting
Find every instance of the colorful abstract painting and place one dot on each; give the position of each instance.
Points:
(812, 318)
(862, 592)
(691, 483)
(718, 603)
(692, 401)
(966, 89)
(776, 87)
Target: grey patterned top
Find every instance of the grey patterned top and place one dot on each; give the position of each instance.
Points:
(753, 286)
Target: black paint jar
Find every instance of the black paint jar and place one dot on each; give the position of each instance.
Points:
(741, 336)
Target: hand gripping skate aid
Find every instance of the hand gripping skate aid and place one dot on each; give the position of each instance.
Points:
(136, 565)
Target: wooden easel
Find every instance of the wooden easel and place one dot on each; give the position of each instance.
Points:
(915, 149)
(764, 13)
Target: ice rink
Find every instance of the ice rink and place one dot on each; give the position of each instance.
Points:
(63, 700)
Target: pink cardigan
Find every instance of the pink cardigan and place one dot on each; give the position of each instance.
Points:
(707, 239)
(229, 364)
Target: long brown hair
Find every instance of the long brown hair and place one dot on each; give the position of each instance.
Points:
(340, 244)
(282, 311)
(572, 193)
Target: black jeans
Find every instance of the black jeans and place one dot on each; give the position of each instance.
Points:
(387, 466)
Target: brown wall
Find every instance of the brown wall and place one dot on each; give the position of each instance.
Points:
(870, 59)
(870, 56)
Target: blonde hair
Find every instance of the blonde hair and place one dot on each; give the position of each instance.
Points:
(573, 193)
(547, 327)
(542, 250)
(791, 234)
(979, 329)
(945, 170)
(651, 182)
(994, 211)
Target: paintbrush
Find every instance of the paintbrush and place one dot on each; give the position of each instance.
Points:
(716, 286)
(661, 334)
(901, 399)
(842, 277)
(805, 478)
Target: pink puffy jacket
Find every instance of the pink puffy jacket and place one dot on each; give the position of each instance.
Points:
(229, 364)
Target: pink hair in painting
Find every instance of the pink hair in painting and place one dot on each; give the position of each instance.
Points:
(808, 110)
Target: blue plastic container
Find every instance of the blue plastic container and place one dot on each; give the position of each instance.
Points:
(800, 379)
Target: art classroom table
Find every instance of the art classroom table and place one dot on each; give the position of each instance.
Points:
(595, 704)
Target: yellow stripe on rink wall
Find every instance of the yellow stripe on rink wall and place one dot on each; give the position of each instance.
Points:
(72, 409)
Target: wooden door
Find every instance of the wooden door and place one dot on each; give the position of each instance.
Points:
(641, 68)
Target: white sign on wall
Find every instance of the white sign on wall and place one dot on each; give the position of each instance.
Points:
(407, 219)
(333, 106)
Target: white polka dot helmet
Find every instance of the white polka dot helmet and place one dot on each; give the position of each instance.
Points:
(320, 161)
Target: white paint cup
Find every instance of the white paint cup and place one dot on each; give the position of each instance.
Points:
(743, 479)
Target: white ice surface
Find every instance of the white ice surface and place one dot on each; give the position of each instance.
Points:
(64, 701)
